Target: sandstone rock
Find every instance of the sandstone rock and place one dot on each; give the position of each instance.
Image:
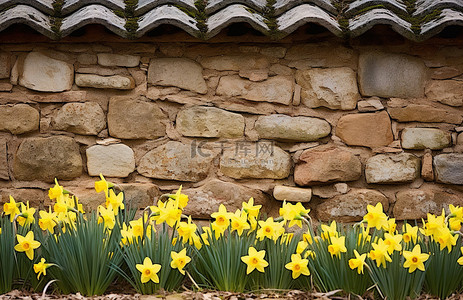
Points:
(341, 187)
(47, 158)
(325, 55)
(449, 92)
(335, 88)
(282, 127)
(97, 70)
(277, 89)
(176, 161)
(115, 160)
(372, 104)
(278, 69)
(292, 194)
(255, 160)
(416, 204)
(204, 121)
(392, 168)
(87, 59)
(135, 119)
(19, 118)
(5, 65)
(4, 173)
(368, 129)
(118, 60)
(423, 138)
(234, 62)
(446, 72)
(254, 75)
(426, 167)
(140, 195)
(391, 75)
(449, 168)
(327, 164)
(82, 118)
(42, 73)
(350, 207)
(36, 197)
(422, 113)
(109, 82)
(206, 199)
(277, 52)
(5, 87)
(180, 72)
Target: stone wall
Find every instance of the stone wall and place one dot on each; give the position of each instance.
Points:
(333, 124)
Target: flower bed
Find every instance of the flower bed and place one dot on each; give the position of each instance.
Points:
(78, 252)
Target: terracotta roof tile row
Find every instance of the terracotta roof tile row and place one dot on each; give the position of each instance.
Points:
(414, 19)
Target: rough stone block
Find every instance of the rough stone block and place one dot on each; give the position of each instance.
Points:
(292, 194)
(5, 65)
(116, 160)
(448, 92)
(449, 168)
(19, 118)
(392, 168)
(4, 173)
(235, 62)
(118, 60)
(82, 118)
(404, 112)
(425, 138)
(117, 82)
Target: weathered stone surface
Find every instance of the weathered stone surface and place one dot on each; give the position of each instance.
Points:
(256, 160)
(392, 168)
(292, 194)
(19, 118)
(277, 89)
(5, 87)
(46, 158)
(140, 195)
(335, 88)
(327, 164)
(176, 161)
(316, 55)
(416, 204)
(427, 172)
(82, 118)
(180, 72)
(421, 113)
(207, 198)
(278, 52)
(135, 119)
(5, 65)
(283, 127)
(449, 168)
(234, 62)
(368, 129)
(36, 197)
(449, 92)
(42, 73)
(423, 138)
(350, 207)
(4, 174)
(254, 75)
(446, 72)
(118, 60)
(391, 75)
(87, 59)
(204, 121)
(116, 160)
(117, 82)
(373, 104)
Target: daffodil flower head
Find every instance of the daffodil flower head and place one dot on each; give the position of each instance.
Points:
(357, 262)
(27, 214)
(115, 201)
(27, 244)
(445, 238)
(55, 191)
(239, 222)
(179, 260)
(460, 260)
(181, 199)
(48, 220)
(415, 259)
(301, 246)
(456, 212)
(11, 208)
(187, 231)
(149, 271)
(222, 217)
(337, 246)
(270, 229)
(410, 233)
(329, 231)
(434, 224)
(375, 217)
(107, 216)
(298, 266)
(251, 209)
(41, 268)
(102, 185)
(393, 242)
(255, 260)
(379, 253)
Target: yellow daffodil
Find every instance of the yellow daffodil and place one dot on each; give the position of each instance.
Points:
(410, 233)
(27, 214)
(137, 228)
(251, 209)
(357, 262)
(239, 222)
(375, 217)
(391, 225)
(255, 260)
(380, 254)
(301, 246)
(393, 242)
(307, 237)
(338, 245)
(149, 271)
(179, 260)
(27, 244)
(48, 220)
(270, 229)
(41, 268)
(107, 217)
(434, 224)
(11, 209)
(456, 212)
(329, 231)
(103, 185)
(181, 199)
(293, 213)
(55, 191)
(115, 201)
(187, 231)
(298, 266)
(460, 260)
(169, 213)
(445, 238)
(126, 235)
(415, 259)
(222, 217)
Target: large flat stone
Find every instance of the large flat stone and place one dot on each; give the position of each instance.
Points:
(235, 62)
(47, 158)
(5, 65)
(82, 118)
(4, 172)
(335, 88)
(350, 207)
(391, 75)
(255, 160)
(448, 92)
(327, 164)
(45, 74)
(366, 129)
(292, 194)
(202, 121)
(392, 168)
(118, 60)
(206, 199)
(425, 138)
(177, 161)
(282, 127)
(449, 168)
(180, 72)
(277, 89)
(410, 112)
(135, 119)
(19, 118)
(117, 82)
(116, 160)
